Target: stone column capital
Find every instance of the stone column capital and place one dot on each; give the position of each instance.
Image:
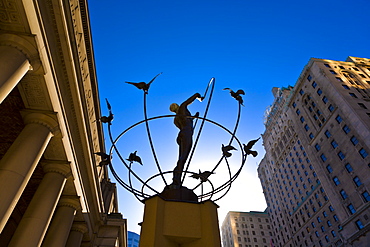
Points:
(25, 44)
(70, 201)
(79, 227)
(47, 119)
(56, 166)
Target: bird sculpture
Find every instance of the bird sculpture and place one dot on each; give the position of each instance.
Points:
(236, 95)
(203, 176)
(105, 158)
(133, 157)
(143, 85)
(248, 147)
(226, 149)
(107, 119)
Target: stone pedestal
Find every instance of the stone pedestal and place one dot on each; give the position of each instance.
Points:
(174, 223)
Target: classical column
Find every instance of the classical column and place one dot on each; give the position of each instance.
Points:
(76, 234)
(14, 65)
(61, 223)
(19, 162)
(36, 219)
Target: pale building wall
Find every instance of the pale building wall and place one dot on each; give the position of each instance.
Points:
(246, 229)
(53, 191)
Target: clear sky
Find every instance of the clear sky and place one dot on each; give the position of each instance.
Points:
(249, 45)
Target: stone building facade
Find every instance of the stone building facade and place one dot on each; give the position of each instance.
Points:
(315, 174)
(53, 191)
(247, 229)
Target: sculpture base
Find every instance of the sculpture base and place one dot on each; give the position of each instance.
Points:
(174, 224)
(176, 193)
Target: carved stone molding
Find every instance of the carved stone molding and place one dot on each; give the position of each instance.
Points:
(10, 16)
(70, 201)
(47, 119)
(34, 92)
(61, 167)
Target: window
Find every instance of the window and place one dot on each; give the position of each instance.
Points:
(302, 119)
(311, 136)
(314, 84)
(327, 239)
(345, 86)
(357, 181)
(331, 108)
(334, 144)
(339, 79)
(331, 209)
(353, 95)
(335, 217)
(343, 194)
(301, 92)
(327, 65)
(333, 72)
(339, 119)
(309, 77)
(298, 111)
(327, 133)
(349, 167)
(336, 180)
(329, 168)
(354, 140)
(329, 223)
(363, 153)
(319, 219)
(317, 147)
(351, 209)
(341, 155)
(359, 224)
(323, 157)
(319, 91)
(306, 127)
(346, 129)
(362, 105)
(366, 196)
(325, 100)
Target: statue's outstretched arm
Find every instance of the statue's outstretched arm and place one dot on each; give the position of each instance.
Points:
(191, 99)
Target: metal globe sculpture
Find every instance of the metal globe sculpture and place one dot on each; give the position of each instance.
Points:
(201, 186)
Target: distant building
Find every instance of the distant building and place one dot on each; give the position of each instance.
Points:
(54, 191)
(246, 229)
(315, 174)
(133, 239)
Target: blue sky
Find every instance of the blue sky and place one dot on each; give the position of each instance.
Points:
(252, 45)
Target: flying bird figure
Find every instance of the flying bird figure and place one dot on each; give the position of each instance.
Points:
(203, 176)
(248, 147)
(226, 149)
(133, 157)
(107, 119)
(143, 85)
(105, 158)
(236, 95)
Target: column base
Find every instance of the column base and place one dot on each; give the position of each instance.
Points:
(173, 223)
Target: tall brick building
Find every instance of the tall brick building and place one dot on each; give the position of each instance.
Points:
(316, 171)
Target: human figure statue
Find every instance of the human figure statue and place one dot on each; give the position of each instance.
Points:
(183, 121)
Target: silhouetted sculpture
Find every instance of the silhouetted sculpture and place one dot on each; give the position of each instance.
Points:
(184, 122)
